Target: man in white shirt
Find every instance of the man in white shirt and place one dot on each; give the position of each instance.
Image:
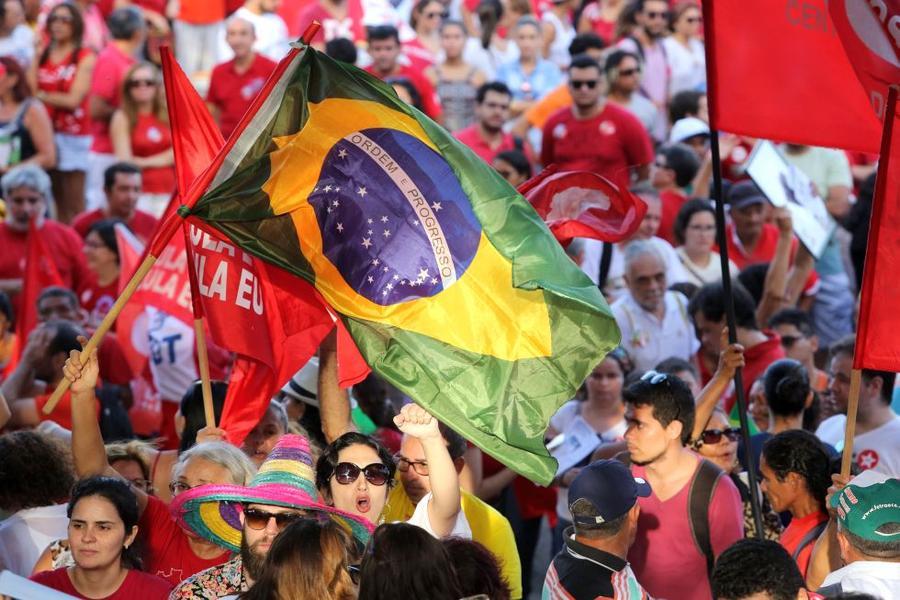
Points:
(875, 445)
(654, 322)
(868, 534)
(271, 30)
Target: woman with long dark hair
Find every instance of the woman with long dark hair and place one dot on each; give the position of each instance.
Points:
(309, 559)
(61, 78)
(26, 133)
(405, 561)
(101, 253)
(103, 516)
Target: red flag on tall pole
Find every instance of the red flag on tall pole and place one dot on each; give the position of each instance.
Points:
(877, 344)
(776, 70)
(253, 309)
(40, 273)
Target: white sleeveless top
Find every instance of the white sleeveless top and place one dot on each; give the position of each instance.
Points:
(565, 33)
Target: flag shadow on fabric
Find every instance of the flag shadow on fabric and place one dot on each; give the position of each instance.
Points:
(448, 281)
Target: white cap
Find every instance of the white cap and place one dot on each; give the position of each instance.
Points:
(303, 386)
(687, 128)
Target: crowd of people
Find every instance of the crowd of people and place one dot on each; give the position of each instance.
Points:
(125, 491)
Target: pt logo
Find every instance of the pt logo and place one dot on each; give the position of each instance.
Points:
(867, 459)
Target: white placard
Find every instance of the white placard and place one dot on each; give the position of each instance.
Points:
(786, 185)
(578, 442)
(18, 587)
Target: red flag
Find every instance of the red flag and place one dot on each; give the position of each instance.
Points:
(777, 71)
(270, 319)
(870, 33)
(583, 204)
(877, 344)
(40, 273)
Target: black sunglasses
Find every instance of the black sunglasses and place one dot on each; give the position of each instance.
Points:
(588, 83)
(258, 519)
(629, 72)
(714, 436)
(376, 473)
(789, 340)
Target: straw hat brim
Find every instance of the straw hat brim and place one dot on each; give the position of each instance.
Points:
(212, 511)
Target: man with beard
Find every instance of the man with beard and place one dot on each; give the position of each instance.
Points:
(485, 137)
(281, 492)
(593, 134)
(678, 537)
(654, 321)
(645, 41)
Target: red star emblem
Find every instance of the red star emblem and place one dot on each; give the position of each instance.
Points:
(867, 459)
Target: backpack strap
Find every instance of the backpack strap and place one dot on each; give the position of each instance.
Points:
(605, 262)
(810, 538)
(699, 499)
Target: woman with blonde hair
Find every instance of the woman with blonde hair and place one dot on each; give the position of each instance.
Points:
(140, 134)
(309, 559)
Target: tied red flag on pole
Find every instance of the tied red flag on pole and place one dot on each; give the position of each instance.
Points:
(877, 345)
(583, 204)
(777, 70)
(271, 321)
(40, 273)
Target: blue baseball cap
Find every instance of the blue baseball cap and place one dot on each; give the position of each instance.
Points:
(610, 488)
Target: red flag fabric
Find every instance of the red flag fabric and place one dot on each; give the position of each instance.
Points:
(776, 70)
(273, 321)
(40, 273)
(583, 204)
(870, 33)
(877, 344)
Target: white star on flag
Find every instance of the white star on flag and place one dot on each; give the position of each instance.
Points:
(387, 233)
(386, 269)
(335, 203)
(366, 243)
(327, 188)
(423, 273)
(340, 227)
(376, 262)
(369, 232)
(362, 192)
(342, 153)
(384, 219)
(433, 281)
(369, 221)
(371, 279)
(436, 206)
(396, 277)
(389, 286)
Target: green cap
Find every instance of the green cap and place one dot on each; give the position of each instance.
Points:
(863, 509)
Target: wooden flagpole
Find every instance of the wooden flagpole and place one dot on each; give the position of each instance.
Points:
(850, 430)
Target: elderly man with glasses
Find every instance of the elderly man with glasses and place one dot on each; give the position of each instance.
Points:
(27, 193)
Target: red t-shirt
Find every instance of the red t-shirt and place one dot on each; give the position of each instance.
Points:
(232, 92)
(201, 12)
(664, 557)
(757, 359)
(793, 535)
(607, 144)
(166, 549)
(151, 136)
(63, 244)
(431, 105)
(142, 225)
(62, 413)
(471, 137)
(58, 77)
(764, 252)
(533, 501)
(112, 64)
(97, 299)
(671, 204)
(349, 27)
(136, 586)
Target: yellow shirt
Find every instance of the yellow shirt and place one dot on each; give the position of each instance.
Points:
(489, 528)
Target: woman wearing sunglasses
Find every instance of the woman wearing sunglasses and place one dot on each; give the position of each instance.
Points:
(355, 473)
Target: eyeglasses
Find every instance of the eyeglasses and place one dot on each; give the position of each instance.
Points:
(419, 466)
(354, 571)
(588, 83)
(179, 487)
(694, 19)
(141, 83)
(377, 473)
(714, 436)
(789, 340)
(657, 15)
(259, 519)
(653, 377)
(142, 484)
(629, 72)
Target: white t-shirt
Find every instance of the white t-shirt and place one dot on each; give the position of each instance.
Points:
(171, 354)
(271, 35)
(711, 273)
(880, 579)
(420, 519)
(564, 417)
(650, 340)
(878, 449)
(686, 65)
(26, 534)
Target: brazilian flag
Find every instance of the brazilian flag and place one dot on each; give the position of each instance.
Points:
(451, 285)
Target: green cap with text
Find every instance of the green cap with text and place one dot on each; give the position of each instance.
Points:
(867, 510)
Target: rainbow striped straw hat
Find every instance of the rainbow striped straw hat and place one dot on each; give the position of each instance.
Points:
(286, 478)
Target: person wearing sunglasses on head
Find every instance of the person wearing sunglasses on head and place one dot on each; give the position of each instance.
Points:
(676, 535)
(247, 520)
